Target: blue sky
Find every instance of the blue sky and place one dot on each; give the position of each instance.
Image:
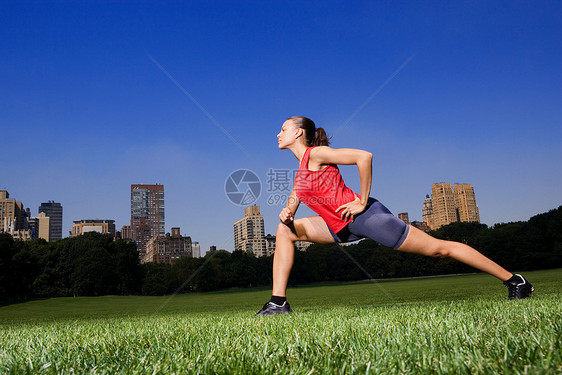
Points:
(466, 91)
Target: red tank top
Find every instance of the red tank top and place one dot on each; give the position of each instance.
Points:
(323, 192)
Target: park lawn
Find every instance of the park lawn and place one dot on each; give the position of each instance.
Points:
(452, 324)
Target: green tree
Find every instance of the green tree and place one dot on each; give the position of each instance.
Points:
(508, 244)
(128, 267)
(460, 232)
(240, 271)
(158, 279)
(95, 273)
(7, 251)
(185, 272)
(26, 267)
(212, 273)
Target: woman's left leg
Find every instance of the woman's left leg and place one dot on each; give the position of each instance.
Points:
(313, 229)
(419, 242)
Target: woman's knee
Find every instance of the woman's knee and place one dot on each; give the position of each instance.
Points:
(441, 249)
(284, 231)
(433, 247)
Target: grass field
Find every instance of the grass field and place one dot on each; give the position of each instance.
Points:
(454, 324)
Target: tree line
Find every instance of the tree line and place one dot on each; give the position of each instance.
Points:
(94, 264)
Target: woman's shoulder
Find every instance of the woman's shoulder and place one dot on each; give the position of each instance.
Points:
(317, 157)
(315, 150)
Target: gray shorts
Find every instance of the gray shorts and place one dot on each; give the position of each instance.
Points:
(376, 223)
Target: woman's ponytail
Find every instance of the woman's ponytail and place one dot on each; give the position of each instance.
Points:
(320, 138)
(314, 136)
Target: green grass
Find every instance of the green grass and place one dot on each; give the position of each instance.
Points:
(455, 324)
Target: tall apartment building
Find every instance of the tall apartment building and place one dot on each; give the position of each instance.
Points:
(449, 206)
(465, 200)
(147, 214)
(13, 217)
(126, 232)
(40, 226)
(195, 250)
(53, 211)
(427, 211)
(167, 249)
(443, 202)
(249, 232)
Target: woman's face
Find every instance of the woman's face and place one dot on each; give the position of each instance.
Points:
(288, 135)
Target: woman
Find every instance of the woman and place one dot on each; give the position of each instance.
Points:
(345, 216)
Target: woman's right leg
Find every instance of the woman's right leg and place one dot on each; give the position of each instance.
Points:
(313, 229)
(418, 242)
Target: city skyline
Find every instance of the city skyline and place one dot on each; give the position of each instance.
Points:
(463, 203)
(97, 97)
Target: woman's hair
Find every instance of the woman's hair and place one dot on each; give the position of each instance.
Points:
(314, 136)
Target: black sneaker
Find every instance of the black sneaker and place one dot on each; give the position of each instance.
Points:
(271, 309)
(518, 287)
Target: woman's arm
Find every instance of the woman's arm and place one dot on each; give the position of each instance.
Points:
(287, 214)
(346, 156)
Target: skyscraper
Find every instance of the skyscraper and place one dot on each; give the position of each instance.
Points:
(126, 232)
(54, 212)
(147, 214)
(249, 232)
(443, 202)
(465, 200)
(195, 249)
(44, 228)
(448, 205)
(427, 211)
(13, 217)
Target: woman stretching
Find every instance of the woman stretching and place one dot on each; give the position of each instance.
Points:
(346, 216)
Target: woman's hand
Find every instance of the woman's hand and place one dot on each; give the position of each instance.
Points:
(352, 209)
(286, 216)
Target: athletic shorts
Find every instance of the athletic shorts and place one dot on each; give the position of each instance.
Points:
(376, 223)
